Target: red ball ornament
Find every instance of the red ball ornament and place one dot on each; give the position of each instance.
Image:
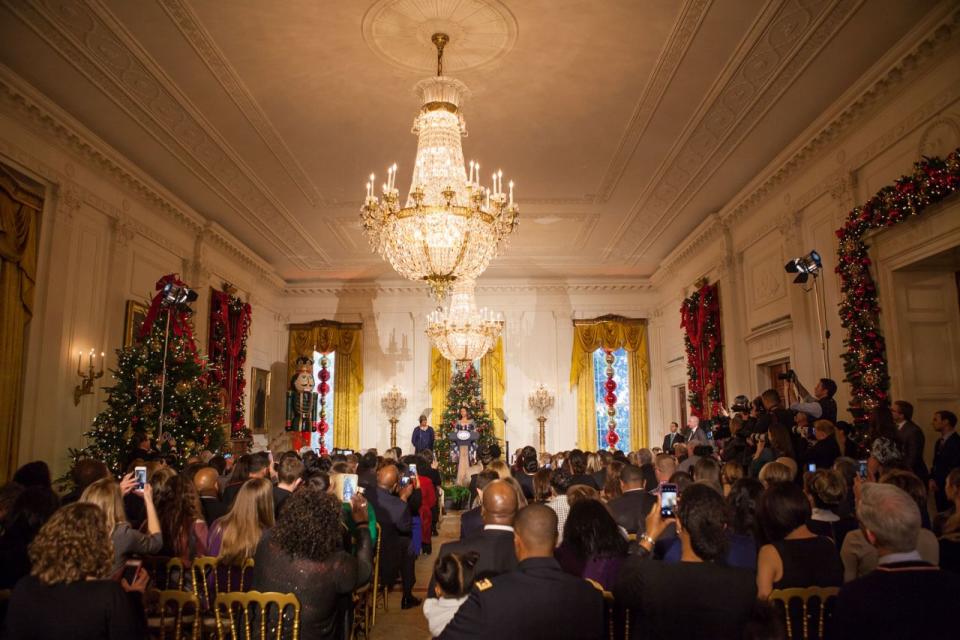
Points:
(612, 438)
(324, 375)
(610, 385)
(323, 388)
(611, 398)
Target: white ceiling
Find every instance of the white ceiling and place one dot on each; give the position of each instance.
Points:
(624, 122)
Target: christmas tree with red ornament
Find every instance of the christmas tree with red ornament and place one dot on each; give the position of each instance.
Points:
(464, 391)
(192, 406)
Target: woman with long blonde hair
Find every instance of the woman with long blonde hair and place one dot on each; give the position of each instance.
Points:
(500, 468)
(234, 537)
(106, 494)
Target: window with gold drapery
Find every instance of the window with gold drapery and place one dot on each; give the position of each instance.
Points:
(21, 201)
(346, 339)
(610, 332)
(493, 384)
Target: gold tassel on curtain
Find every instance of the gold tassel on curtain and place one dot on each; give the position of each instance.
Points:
(20, 207)
(493, 382)
(346, 340)
(610, 332)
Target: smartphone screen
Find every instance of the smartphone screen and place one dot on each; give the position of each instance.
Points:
(811, 467)
(345, 486)
(412, 469)
(404, 480)
(130, 570)
(140, 475)
(862, 469)
(668, 500)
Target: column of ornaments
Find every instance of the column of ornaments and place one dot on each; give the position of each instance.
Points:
(611, 400)
(323, 389)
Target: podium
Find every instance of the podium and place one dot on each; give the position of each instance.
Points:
(463, 439)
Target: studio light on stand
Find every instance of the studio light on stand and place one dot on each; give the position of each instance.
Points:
(806, 267)
(174, 295)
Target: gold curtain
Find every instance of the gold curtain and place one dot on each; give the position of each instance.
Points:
(493, 382)
(346, 340)
(20, 207)
(610, 332)
(440, 375)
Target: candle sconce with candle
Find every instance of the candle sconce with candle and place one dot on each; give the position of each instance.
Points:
(86, 379)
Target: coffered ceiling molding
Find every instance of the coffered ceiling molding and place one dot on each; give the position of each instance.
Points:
(399, 31)
(371, 288)
(102, 49)
(26, 105)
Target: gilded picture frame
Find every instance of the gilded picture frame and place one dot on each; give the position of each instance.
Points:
(259, 400)
(136, 313)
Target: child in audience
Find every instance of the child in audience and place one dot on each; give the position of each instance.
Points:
(454, 579)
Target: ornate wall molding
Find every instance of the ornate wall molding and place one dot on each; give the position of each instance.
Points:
(89, 37)
(488, 288)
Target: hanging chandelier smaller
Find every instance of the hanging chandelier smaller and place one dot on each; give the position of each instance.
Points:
(462, 333)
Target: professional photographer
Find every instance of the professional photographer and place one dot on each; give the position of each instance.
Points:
(738, 447)
(773, 412)
(821, 404)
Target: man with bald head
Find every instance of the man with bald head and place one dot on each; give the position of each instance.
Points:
(536, 600)
(394, 506)
(207, 482)
(494, 543)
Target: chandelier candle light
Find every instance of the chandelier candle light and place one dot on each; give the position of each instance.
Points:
(393, 403)
(462, 333)
(450, 226)
(541, 401)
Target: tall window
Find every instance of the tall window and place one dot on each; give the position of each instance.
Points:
(622, 378)
(328, 400)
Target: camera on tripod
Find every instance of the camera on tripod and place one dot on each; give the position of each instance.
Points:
(789, 374)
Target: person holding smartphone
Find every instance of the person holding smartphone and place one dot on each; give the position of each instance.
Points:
(127, 542)
(652, 589)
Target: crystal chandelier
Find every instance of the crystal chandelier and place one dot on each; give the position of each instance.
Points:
(450, 226)
(462, 333)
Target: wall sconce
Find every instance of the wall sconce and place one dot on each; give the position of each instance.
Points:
(86, 379)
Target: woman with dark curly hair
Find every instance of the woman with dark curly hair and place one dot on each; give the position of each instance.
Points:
(303, 555)
(68, 592)
(592, 546)
(651, 589)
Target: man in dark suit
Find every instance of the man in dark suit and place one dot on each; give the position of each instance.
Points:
(394, 505)
(910, 438)
(946, 455)
(538, 599)
(672, 438)
(206, 482)
(495, 543)
(630, 510)
(825, 450)
(259, 468)
(695, 435)
(471, 522)
(904, 597)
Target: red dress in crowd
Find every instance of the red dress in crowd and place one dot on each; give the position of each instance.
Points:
(428, 500)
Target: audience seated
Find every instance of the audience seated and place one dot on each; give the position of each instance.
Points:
(730, 473)
(289, 476)
(612, 488)
(592, 546)
(859, 556)
(541, 486)
(630, 509)
(559, 485)
(527, 468)
(775, 472)
(127, 542)
(206, 482)
(31, 509)
(257, 465)
(904, 597)
(471, 521)
(184, 530)
(69, 593)
(303, 555)
(578, 470)
(395, 507)
(234, 537)
(699, 597)
(826, 489)
(494, 545)
(536, 597)
(453, 580)
(794, 556)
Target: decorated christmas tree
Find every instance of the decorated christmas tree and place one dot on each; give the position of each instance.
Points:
(192, 406)
(464, 392)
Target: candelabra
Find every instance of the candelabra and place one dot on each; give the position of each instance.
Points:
(541, 401)
(393, 403)
(86, 379)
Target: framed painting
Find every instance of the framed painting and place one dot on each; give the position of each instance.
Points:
(136, 314)
(260, 398)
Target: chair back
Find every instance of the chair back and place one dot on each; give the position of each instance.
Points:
(815, 602)
(241, 610)
(178, 604)
(609, 609)
(210, 577)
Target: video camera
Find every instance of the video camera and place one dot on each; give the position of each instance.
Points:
(789, 374)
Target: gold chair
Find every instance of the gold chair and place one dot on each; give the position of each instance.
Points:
(609, 609)
(826, 596)
(179, 602)
(364, 598)
(237, 606)
(207, 587)
(165, 572)
(379, 591)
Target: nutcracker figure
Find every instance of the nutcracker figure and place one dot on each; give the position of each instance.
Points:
(301, 404)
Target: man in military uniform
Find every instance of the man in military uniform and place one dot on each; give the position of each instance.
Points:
(538, 599)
